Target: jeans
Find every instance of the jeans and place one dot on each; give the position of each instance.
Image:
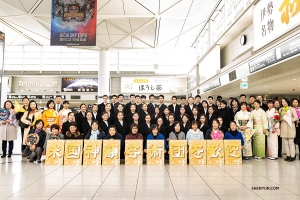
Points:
(10, 147)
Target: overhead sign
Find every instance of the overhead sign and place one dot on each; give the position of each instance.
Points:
(263, 61)
(212, 85)
(210, 65)
(192, 79)
(34, 96)
(79, 85)
(145, 85)
(273, 18)
(73, 23)
(288, 49)
(244, 85)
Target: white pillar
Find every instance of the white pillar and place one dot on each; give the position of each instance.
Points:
(103, 74)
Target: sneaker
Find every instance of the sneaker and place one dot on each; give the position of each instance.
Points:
(39, 161)
(291, 159)
(271, 158)
(246, 158)
(259, 157)
(255, 157)
(3, 156)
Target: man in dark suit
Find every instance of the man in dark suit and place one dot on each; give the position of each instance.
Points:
(151, 105)
(143, 99)
(120, 101)
(174, 107)
(198, 102)
(183, 101)
(127, 106)
(101, 106)
(113, 103)
(96, 116)
(189, 107)
(262, 105)
(146, 127)
(58, 106)
(161, 105)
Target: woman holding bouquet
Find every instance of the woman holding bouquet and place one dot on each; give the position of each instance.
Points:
(288, 131)
(274, 131)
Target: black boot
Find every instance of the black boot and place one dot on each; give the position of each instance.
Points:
(4, 146)
(287, 158)
(291, 159)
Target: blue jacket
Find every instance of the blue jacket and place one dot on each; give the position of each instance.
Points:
(159, 137)
(239, 136)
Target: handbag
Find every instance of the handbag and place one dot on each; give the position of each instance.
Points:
(23, 125)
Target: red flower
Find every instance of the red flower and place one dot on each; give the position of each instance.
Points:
(248, 108)
(276, 117)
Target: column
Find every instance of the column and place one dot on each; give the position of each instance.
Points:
(103, 74)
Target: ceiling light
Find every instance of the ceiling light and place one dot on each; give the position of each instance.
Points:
(266, 86)
(293, 79)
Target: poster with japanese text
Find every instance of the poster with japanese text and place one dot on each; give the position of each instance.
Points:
(215, 152)
(197, 152)
(133, 152)
(111, 152)
(73, 23)
(73, 152)
(233, 152)
(178, 152)
(145, 85)
(92, 152)
(55, 152)
(155, 152)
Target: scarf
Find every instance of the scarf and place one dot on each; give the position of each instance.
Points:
(234, 109)
(233, 133)
(94, 135)
(176, 134)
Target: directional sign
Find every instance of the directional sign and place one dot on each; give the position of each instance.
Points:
(244, 85)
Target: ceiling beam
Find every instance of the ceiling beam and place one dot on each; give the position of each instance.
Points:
(35, 6)
(133, 32)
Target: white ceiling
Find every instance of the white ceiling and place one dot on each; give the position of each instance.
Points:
(121, 24)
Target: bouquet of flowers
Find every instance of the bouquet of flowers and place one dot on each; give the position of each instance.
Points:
(217, 135)
(276, 117)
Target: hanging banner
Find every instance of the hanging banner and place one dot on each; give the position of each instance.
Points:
(73, 23)
(73, 152)
(111, 152)
(215, 152)
(272, 19)
(177, 152)
(145, 85)
(197, 152)
(134, 152)
(55, 152)
(92, 152)
(155, 152)
(233, 152)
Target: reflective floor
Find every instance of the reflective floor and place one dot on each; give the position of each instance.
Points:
(20, 179)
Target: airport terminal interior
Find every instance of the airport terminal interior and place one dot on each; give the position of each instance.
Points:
(150, 99)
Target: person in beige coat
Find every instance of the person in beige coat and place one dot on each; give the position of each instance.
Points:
(29, 117)
(287, 128)
(8, 130)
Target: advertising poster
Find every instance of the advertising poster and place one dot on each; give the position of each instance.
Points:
(73, 22)
(145, 85)
(79, 85)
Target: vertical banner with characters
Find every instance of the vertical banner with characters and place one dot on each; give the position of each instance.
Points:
(73, 23)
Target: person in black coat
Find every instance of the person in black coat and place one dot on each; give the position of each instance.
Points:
(114, 135)
(234, 107)
(185, 124)
(101, 106)
(161, 105)
(189, 107)
(155, 116)
(211, 115)
(143, 113)
(204, 109)
(111, 117)
(151, 106)
(65, 126)
(80, 117)
(223, 128)
(203, 126)
(120, 102)
(161, 128)
(146, 127)
(128, 105)
(182, 113)
(96, 115)
(224, 112)
(37, 149)
(166, 116)
(128, 116)
(195, 116)
(87, 125)
(104, 124)
(73, 132)
(174, 107)
(121, 125)
(135, 120)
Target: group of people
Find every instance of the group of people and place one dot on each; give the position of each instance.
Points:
(260, 127)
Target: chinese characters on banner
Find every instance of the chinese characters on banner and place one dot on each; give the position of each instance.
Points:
(111, 152)
(233, 152)
(273, 18)
(197, 152)
(134, 152)
(145, 85)
(92, 152)
(55, 152)
(155, 152)
(177, 152)
(215, 152)
(73, 152)
(73, 23)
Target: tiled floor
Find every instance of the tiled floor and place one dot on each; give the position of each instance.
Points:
(20, 179)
